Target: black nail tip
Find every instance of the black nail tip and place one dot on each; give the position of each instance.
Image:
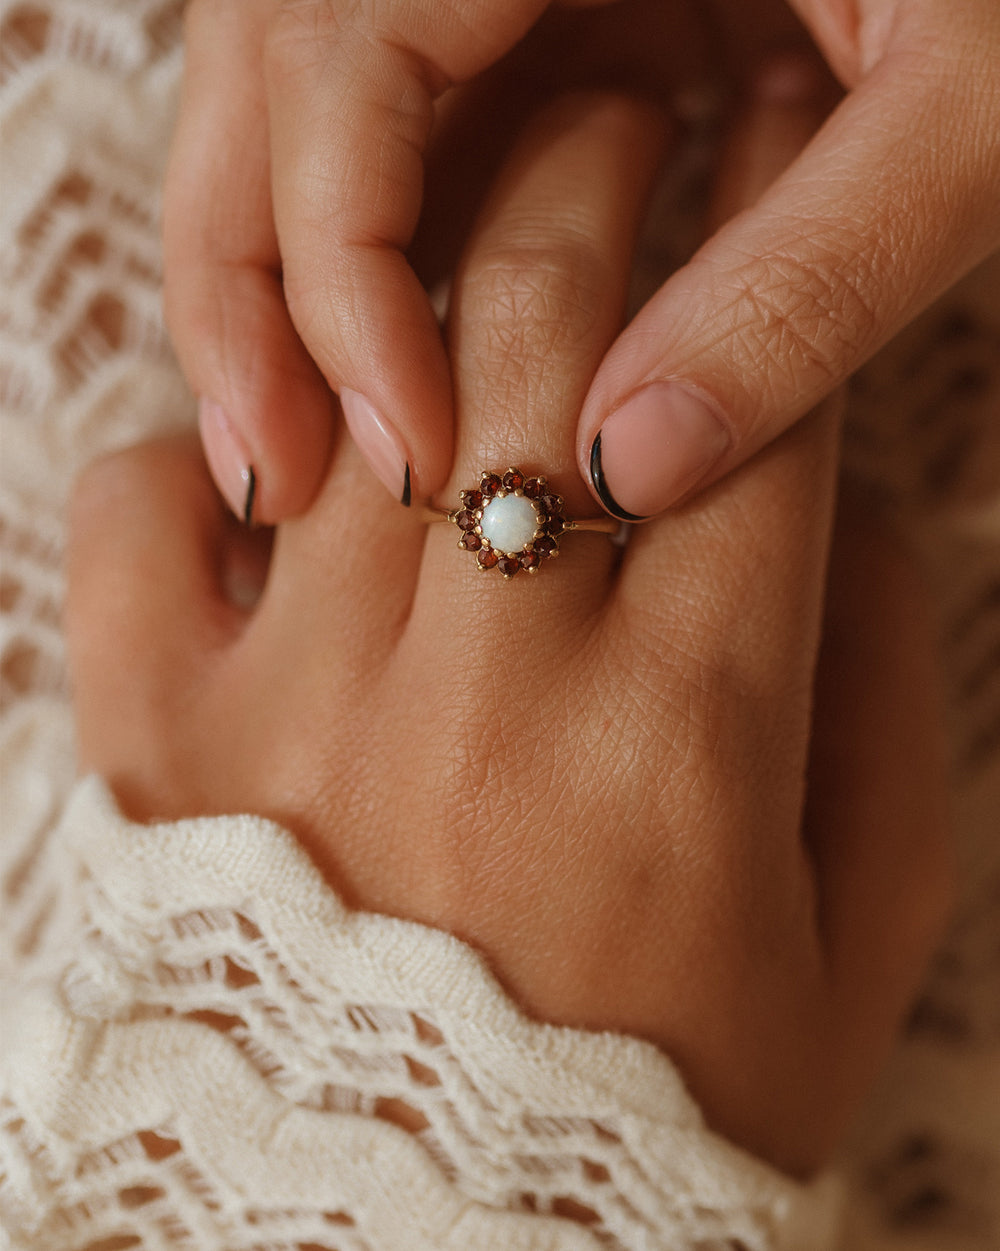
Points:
(405, 497)
(251, 492)
(601, 486)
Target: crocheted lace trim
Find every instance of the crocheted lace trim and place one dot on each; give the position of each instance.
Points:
(232, 1058)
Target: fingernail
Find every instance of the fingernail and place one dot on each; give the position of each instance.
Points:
(228, 459)
(379, 443)
(650, 452)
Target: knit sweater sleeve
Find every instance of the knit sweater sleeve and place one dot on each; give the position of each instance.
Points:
(210, 1051)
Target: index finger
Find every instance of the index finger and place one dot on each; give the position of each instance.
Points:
(351, 90)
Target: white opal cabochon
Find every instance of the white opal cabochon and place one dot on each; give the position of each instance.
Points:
(510, 522)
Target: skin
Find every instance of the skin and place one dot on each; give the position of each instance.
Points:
(622, 780)
(310, 149)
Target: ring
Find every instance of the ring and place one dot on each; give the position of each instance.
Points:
(512, 522)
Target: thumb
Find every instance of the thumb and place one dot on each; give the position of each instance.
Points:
(887, 205)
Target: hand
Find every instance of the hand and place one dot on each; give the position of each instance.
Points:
(595, 776)
(297, 176)
(287, 212)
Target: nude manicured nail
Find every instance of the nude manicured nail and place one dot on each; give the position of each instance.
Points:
(650, 452)
(379, 443)
(228, 458)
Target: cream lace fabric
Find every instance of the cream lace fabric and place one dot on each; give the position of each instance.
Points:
(201, 1048)
(228, 1055)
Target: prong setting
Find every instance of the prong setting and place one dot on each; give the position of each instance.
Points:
(516, 537)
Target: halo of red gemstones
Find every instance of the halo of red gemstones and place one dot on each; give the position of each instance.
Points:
(510, 537)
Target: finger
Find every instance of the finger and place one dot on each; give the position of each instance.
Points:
(876, 814)
(868, 225)
(539, 295)
(560, 222)
(265, 406)
(770, 130)
(147, 607)
(641, 48)
(787, 102)
(542, 284)
(351, 91)
(353, 541)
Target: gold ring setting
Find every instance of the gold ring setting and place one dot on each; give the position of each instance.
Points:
(515, 523)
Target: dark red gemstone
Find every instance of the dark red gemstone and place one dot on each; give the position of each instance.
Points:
(513, 480)
(487, 558)
(534, 487)
(471, 542)
(545, 546)
(490, 484)
(466, 520)
(551, 503)
(530, 559)
(472, 499)
(509, 565)
(555, 526)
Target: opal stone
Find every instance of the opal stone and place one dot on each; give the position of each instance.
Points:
(510, 522)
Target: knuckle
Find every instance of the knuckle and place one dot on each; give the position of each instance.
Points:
(527, 305)
(301, 31)
(326, 311)
(205, 21)
(812, 315)
(201, 16)
(119, 486)
(102, 504)
(107, 486)
(461, 781)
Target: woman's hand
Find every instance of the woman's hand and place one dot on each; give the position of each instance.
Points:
(597, 776)
(296, 184)
(297, 180)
